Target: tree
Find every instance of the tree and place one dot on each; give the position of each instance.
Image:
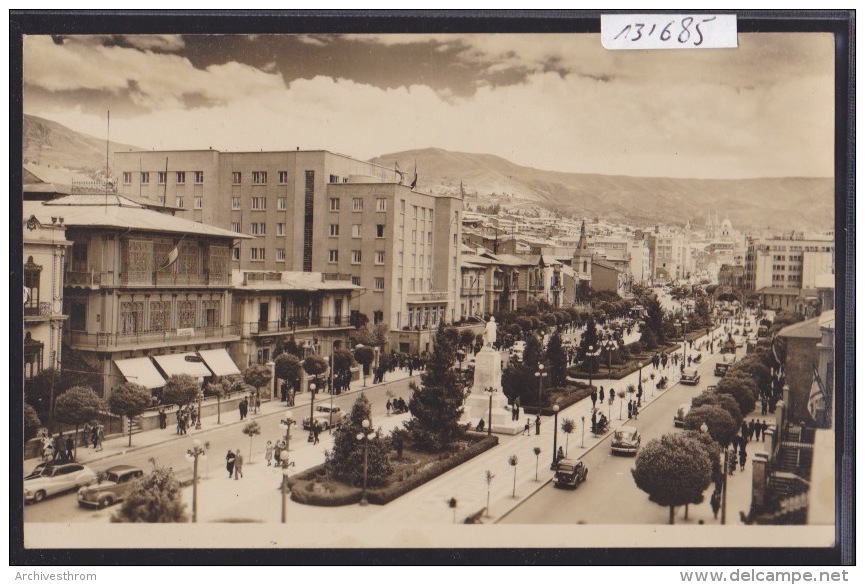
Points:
(724, 401)
(721, 426)
(785, 319)
(558, 360)
(364, 356)
(343, 360)
(655, 319)
(129, 400)
(345, 461)
(466, 338)
(381, 334)
(180, 389)
(77, 406)
(568, 427)
(257, 375)
(251, 429)
(589, 339)
(674, 471)
(287, 367)
(533, 354)
(436, 405)
(537, 452)
(742, 388)
(40, 389)
(32, 424)
(512, 461)
(218, 389)
(155, 498)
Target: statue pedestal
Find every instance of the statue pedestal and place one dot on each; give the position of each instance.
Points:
(488, 375)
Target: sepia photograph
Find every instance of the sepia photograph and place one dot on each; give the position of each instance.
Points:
(353, 284)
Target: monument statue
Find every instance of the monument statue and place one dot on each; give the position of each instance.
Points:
(490, 332)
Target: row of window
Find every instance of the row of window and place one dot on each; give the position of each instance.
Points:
(260, 254)
(162, 176)
(259, 178)
(356, 256)
(258, 203)
(357, 204)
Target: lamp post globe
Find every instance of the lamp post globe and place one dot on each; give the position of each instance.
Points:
(366, 438)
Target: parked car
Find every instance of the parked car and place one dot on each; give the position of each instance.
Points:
(117, 482)
(326, 417)
(55, 479)
(727, 360)
(690, 376)
(626, 440)
(517, 350)
(37, 470)
(681, 413)
(570, 472)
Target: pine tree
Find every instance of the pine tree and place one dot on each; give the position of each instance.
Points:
(589, 339)
(345, 462)
(558, 361)
(436, 404)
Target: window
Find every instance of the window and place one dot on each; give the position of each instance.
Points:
(280, 254)
(355, 230)
(411, 285)
(421, 261)
(414, 236)
(401, 256)
(379, 230)
(402, 205)
(423, 213)
(256, 254)
(355, 256)
(333, 256)
(198, 177)
(429, 238)
(357, 204)
(180, 177)
(280, 203)
(283, 177)
(127, 178)
(178, 202)
(280, 229)
(236, 178)
(160, 177)
(235, 226)
(379, 257)
(259, 202)
(145, 178)
(259, 177)
(235, 253)
(334, 203)
(378, 283)
(198, 202)
(355, 280)
(381, 204)
(399, 285)
(235, 202)
(334, 230)
(257, 228)
(414, 211)
(334, 179)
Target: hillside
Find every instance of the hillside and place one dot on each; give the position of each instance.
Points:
(782, 203)
(50, 144)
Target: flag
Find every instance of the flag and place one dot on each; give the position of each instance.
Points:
(414, 181)
(172, 257)
(817, 398)
(398, 172)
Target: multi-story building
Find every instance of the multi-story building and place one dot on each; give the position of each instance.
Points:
(779, 268)
(671, 256)
(272, 305)
(473, 289)
(45, 250)
(139, 283)
(316, 211)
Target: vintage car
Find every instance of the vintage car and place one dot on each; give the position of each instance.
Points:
(681, 413)
(727, 360)
(570, 472)
(326, 417)
(690, 376)
(111, 486)
(55, 479)
(626, 440)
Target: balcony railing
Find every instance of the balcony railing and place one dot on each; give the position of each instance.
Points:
(88, 278)
(94, 278)
(296, 324)
(435, 295)
(117, 340)
(37, 310)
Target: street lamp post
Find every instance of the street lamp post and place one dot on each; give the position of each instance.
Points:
(555, 435)
(362, 366)
(540, 375)
(366, 438)
(640, 384)
(684, 340)
(197, 451)
(490, 391)
(609, 346)
(283, 459)
(583, 436)
(311, 436)
(198, 417)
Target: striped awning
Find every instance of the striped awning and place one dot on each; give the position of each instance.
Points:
(219, 362)
(175, 364)
(141, 371)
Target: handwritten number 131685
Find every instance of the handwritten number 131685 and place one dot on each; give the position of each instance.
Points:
(684, 31)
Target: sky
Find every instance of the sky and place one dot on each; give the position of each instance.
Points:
(550, 101)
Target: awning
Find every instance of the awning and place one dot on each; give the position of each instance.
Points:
(174, 364)
(141, 371)
(219, 362)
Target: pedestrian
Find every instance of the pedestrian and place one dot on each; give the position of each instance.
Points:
(283, 392)
(100, 437)
(48, 451)
(751, 429)
(229, 463)
(763, 427)
(560, 454)
(316, 429)
(594, 397)
(538, 424)
(742, 457)
(243, 406)
(758, 430)
(715, 502)
(635, 411)
(601, 394)
(630, 408)
(527, 427)
(515, 411)
(163, 418)
(238, 465)
(94, 436)
(277, 452)
(268, 452)
(59, 446)
(388, 405)
(731, 461)
(70, 448)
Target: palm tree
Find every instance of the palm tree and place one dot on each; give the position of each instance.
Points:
(568, 427)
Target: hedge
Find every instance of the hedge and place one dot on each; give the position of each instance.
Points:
(563, 402)
(395, 489)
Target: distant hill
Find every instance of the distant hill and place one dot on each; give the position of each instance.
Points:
(49, 144)
(780, 203)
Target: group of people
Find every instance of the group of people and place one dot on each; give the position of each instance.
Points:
(185, 417)
(273, 452)
(234, 464)
(527, 430)
(61, 448)
(253, 402)
(397, 405)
